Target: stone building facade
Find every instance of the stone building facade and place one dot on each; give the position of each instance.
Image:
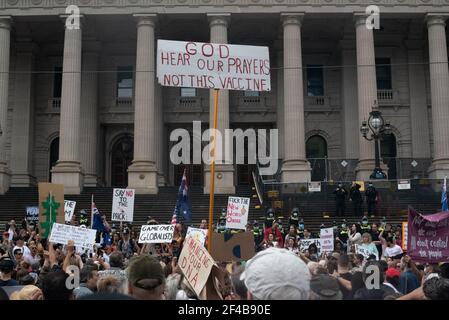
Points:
(82, 106)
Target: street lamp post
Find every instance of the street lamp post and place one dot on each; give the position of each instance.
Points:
(378, 127)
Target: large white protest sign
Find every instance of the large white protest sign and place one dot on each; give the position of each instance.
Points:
(157, 233)
(123, 205)
(305, 243)
(327, 239)
(32, 214)
(365, 251)
(237, 213)
(82, 237)
(195, 263)
(197, 234)
(69, 209)
(213, 66)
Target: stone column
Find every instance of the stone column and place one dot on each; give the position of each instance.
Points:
(160, 149)
(366, 92)
(439, 86)
(89, 113)
(67, 170)
(5, 38)
(142, 174)
(280, 95)
(350, 119)
(295, 167)
(23, 117)
(224, 172)
(418, 102)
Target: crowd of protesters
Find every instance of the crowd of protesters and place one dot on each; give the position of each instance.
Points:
(121, 268)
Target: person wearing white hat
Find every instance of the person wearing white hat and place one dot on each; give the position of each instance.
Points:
(276, 274)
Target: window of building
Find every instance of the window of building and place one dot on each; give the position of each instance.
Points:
(188, 92)
(383, 74)
(315, 80)
(251, 93)
(57, 82)
(125, 82)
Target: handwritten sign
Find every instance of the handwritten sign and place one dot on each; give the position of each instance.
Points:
(123, 205)
(196, 264)
(82, 237)
(304, 244)
(237, 213)
(69, 209)
(197, 234)
(314, 186)
(428, 236)
(404, 185)
(213, 66)
(404, 235)
(327, 239)
(161, 233)
(32, 214)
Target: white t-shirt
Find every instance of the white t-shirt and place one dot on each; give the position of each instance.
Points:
(393, 251)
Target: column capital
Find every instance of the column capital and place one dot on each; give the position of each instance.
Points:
(5, 22)
(146, 19)
(360, 18)
(217, 19)
(436, 19)
(292, 18)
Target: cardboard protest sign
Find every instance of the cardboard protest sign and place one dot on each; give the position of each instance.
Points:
(327, 239)
(314, 186)
(232, 247)
(428, 236)
(404, 235)
(160, 233)
(82, 237)
(305, 243)
(196, 264)
(69, 209)
(51, 210)
(213, 66)
(32, 214)
(123, 205)
(197, 234)
(365, 251)
(237, 213)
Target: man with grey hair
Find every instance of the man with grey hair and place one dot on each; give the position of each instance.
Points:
(276, 274)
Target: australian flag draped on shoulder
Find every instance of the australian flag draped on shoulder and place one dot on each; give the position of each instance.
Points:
(444, 197)
(101, 226)
(183, 208)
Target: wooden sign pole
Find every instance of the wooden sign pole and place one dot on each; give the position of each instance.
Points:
(212, 174)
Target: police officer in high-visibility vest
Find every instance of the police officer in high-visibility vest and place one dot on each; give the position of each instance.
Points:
(294, 218)
(258, 235)
(300, 229)
(269, 218)
(221, 227)
(343, 234)
(281, 227)
(364, 226)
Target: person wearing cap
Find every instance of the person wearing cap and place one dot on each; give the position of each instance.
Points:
(324, 287)
(146, 279)
(340, 197)
(294, 217)
(6, 269)
(371, 197)
(276, 274)
(269, 218)
(355, 197)
(300, 228)
(392, 279)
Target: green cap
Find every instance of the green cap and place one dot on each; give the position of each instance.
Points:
(145, 272)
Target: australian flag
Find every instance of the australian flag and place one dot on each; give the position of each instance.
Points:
(183, 206)
(444, 197)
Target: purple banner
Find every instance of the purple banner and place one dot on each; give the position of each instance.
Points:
(428, 236)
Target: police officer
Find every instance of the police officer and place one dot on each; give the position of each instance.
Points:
(281, 227)
(294, 218)
(269, 218)
(258, 235)
(356, 199)
(340, 196)
(221, 227)
(371, 196)
(300, 229)
(364, 226)
(343, 234)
